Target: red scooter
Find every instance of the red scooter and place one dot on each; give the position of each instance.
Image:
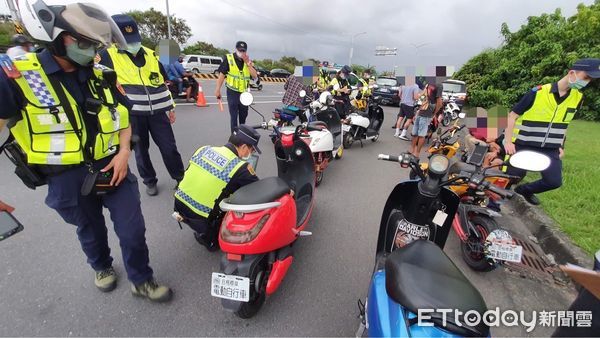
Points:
(263, 221)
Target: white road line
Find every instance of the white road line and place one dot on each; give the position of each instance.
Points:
(224, 103)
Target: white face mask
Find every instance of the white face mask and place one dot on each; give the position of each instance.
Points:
(239, 54)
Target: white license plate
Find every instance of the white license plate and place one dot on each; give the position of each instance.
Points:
(230, 287)
(346, 127)
(384, 90)
(505, 252)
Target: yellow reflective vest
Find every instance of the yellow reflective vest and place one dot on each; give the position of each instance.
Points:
(209, 172)
(237, 79)
(545, 124)
(44, 131)
(144, 86)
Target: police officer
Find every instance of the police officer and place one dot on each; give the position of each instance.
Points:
(22, 45)
(539, 122)
(236, 70)
(213, 174)
(342, 94)
(69, 119)
(365, 91)
(143, 79)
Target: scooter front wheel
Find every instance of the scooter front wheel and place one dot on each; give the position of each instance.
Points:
(348, 140)
(258, 292)
(318, 178)
(446, 120)
(473, 248)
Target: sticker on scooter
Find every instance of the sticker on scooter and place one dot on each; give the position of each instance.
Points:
(499, 245)
(407, 232)
(440, 218)
(230, 287)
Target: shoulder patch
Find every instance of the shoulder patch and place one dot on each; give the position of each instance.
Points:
(251, 170)
(536, 88)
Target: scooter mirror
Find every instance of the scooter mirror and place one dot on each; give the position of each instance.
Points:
(246, 99)
(462, 115)
(323, 97)
(529, 160)
(302, 93)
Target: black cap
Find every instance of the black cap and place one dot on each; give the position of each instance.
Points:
(248, 136)
(241, 45)
(590, 66)
(128, 27)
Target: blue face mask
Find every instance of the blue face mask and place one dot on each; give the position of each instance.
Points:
(134, 47)
(578, 83)
(83, 57)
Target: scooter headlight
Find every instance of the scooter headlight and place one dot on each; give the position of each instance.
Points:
(438, 164)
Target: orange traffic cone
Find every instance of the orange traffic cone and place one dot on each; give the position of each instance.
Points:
(200, 99)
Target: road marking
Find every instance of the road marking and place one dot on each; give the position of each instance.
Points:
(224, 102)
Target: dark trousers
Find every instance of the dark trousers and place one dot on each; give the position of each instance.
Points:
(551, 177)
(236, 109)
(85, 212)
(343, 108)
(159, 127)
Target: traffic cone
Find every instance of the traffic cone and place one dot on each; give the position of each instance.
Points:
(200, 99)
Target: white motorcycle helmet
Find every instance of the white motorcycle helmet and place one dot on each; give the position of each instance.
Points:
(81, 20)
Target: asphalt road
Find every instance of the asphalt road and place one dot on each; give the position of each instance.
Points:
(47, 289)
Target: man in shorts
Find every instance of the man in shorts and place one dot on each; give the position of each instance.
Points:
(431, 106)
(408, 96)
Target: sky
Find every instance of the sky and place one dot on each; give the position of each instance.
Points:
(425, 32)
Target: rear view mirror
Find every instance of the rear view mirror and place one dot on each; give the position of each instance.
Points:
(529, 160)
(462, 115)
(302, 93)
(246, 99)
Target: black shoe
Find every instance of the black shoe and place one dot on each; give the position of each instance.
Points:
(529, 197)
(151, 189)
(203, 240)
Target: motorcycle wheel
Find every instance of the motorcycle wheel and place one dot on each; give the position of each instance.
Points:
(259, 87)
(258, 292)
(319, 178)
(374, 139)
(472, 249)
(348, 140)
(446, 120)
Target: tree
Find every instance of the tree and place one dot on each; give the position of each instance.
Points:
(205, 48)
(541, 51)
(153, 27)
(6, 32)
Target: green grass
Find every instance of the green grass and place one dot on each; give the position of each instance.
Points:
(576, 205)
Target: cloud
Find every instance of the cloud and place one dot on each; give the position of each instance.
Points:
(452, 30)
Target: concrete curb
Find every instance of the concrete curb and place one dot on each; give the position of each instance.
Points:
(551, 239)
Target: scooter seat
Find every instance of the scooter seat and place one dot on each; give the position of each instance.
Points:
(316, 126)
(262, 191)
(421, 276)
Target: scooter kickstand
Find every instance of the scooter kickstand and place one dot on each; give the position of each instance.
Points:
(305, 233)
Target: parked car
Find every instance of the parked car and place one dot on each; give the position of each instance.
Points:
(262, 72)
(201, 63)
(455, 89)
(277, 72)
(387, 88)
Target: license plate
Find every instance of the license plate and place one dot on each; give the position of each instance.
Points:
(230, 287)
(346, 127)
(384, 90)
(505, 252)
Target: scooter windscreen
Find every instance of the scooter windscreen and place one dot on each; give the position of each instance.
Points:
(400, 222)
(334, 124)
(295, 165)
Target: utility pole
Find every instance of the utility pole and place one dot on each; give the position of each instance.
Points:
(352, 47)
(168, 22)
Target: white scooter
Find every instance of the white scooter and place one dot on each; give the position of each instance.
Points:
(324, 135)
(363, 125)
(451, 111)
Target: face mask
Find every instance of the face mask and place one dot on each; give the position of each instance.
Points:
(246, 158)
(32, 49)
(239, 54)
(578, 83)
(82, 57)
(343, 76)
(134, 48)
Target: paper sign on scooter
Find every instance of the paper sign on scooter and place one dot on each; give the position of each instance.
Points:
(440, 218)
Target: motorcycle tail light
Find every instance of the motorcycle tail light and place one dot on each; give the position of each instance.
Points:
(240, 237)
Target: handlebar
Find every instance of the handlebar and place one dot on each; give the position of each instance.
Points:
(391, 158)
(496, 189)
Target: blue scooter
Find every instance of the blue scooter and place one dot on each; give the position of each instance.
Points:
(412, 274)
